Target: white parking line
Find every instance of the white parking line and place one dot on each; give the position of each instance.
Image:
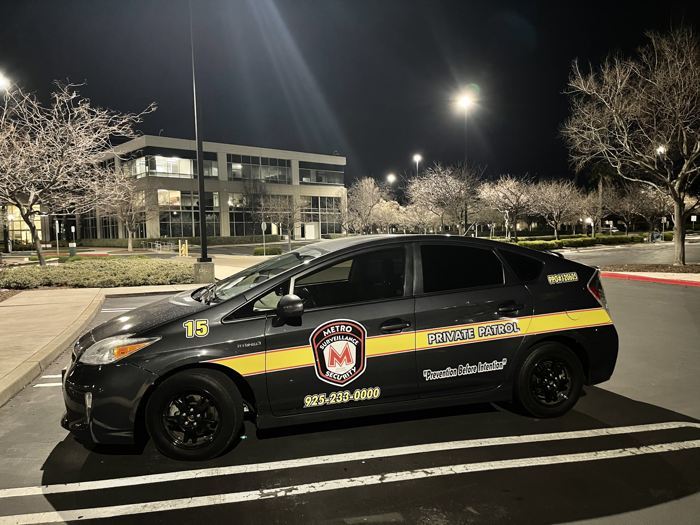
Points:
(51, 376)
(112, 310)
(43, 385)
(337, 458)
(336, 484)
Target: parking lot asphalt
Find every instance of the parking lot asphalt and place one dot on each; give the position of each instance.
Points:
(656, 253)
(627, 453)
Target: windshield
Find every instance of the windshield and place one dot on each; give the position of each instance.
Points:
(253, 276)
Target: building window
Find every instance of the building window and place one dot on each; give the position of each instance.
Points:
(179, 213)
(318, 173)
(324, 211)
(245, 167)
(88, 225)
(110, 227)
(17, 229)
(241, 215)
(173, 167)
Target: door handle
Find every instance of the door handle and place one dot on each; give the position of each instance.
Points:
(394, 325)
(509, 307)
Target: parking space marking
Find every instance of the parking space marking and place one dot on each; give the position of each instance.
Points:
(42, 385)
(337, 458)
(51, 376)
(336, 484)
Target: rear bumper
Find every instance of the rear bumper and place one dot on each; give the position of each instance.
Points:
(102, 401)
(601, 348)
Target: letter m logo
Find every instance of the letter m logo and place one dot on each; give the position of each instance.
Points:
(342, 358)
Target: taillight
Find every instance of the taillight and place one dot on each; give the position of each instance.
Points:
(596, 289)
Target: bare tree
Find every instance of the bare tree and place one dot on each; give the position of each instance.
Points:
(450, 192)
(555, 201)
(642, 117)
(386, 214)
(510, 196)
(419, 219)
(626, 202)
(652, 206)
(120, 197)
(50, 156)
(283, 211)
(588, 206)
(363, 196)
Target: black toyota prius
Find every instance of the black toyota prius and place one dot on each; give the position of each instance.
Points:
(344, 328)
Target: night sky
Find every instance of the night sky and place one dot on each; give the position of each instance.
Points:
(371, 79)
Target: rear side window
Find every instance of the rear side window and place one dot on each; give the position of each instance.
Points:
(452, 267)
(526, 268)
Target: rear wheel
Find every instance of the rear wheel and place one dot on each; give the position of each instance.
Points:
(194, 414)
(549, 381)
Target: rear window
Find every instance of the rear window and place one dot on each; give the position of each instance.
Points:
(526, 268)
(454, 267)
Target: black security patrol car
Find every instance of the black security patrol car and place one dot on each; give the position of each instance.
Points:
(344, 328)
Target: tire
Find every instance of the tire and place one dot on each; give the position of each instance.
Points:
(194, 414)
(549, 381)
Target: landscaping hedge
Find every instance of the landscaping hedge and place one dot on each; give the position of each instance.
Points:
(269, 250)
(581, 242)
(213, 241)
(98, 273)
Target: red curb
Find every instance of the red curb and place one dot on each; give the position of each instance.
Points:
(644, 278)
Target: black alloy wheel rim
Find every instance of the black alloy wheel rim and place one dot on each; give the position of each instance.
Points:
(550, 382)
(192, 420)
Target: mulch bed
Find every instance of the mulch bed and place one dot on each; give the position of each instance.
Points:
(6, 294)
(660, 268)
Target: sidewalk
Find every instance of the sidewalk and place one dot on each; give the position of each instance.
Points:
(683, 279)
(37, 325)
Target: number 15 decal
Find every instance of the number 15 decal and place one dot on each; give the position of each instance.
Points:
(196, 328)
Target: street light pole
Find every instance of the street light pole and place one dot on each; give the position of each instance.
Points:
(204, 267)
(203, 258)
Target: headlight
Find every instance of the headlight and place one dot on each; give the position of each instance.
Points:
(114, 348)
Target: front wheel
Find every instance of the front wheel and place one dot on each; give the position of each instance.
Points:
(549, 381)
(194, 414)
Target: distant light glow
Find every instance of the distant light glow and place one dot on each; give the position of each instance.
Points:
(4, 82)
(465, 101)
(661, 150)
(417, 158)
(391, 178)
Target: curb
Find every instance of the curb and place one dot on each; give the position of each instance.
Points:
(647, 279)
(30, 369)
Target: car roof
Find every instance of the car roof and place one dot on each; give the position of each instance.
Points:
(343, 243)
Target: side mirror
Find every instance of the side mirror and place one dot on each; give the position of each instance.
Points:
(290, 306)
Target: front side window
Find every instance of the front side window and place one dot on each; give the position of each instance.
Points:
(366, 277)
(448, 267)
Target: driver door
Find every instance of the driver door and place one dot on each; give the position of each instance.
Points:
(354, 345)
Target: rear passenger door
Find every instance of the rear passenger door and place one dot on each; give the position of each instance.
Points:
(471, 315)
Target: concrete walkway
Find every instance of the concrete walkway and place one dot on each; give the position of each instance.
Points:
(37, 325)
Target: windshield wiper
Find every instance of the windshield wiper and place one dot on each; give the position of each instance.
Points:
(209, 294)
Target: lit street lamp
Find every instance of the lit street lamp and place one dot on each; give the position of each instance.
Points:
(464, 102)
(4, 82)
(391, 178)
(417, 158)
(661, 150)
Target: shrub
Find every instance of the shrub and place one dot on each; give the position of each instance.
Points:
(213, 241)
(269, 250)
(99, 273)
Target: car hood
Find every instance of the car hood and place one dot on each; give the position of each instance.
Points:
(144, 318)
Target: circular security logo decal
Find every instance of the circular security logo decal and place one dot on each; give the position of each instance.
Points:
(339, 351)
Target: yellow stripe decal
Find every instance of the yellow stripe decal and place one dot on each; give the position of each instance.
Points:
(381, 345)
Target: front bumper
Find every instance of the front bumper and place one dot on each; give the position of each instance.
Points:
(102, 402)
